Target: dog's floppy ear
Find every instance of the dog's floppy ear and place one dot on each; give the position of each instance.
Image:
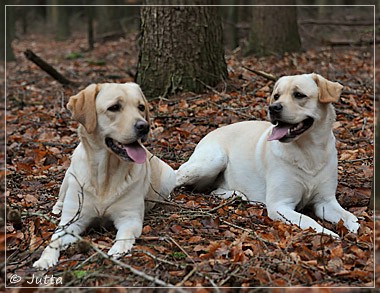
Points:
(82, 107)
(329, 91)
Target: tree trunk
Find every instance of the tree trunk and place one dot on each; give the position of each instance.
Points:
(10, 33)
(2, 37)
(181, 49)
(230, 23)
(109, 17)
(274, 29)
(90, 27)
(59, 18)
(63, 22)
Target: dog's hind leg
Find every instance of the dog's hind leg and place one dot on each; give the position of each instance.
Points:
(203, 167)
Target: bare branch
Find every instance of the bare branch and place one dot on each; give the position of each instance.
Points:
(30, 55)
(262, 73)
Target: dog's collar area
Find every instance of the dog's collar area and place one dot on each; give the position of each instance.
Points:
(285, 132)
(129, 152)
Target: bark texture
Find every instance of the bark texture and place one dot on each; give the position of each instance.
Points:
(274, 30)
(181, 49)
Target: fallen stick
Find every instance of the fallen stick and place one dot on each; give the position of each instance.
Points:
(342, 23)
(344, 43)
(262, 73)
(30, 55)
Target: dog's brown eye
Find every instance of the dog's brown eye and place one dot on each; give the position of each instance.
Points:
(141, 107)
(299, 95)
(114, 108)
(276, 97)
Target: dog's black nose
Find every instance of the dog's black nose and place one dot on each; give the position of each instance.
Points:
(142, 127)
(275, 108)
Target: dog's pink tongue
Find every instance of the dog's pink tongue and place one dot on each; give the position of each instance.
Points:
(278, 133)
(136, 152)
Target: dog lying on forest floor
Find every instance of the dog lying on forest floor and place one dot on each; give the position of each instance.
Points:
(288, 165)
(111, 173)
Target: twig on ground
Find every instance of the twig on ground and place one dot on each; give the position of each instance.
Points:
(355, 160)
(161, 259)
(46, 217)
(182, 266)
(165, 202)
(180, 284)
(30, 55)
(342, 23)
(216, 288)
(323, 257)
(251, 232)
(81, 264)
(128, 267)
(229, 201)
(262, 73)
(224, 95)
(53, 144)
(181, 248)
(229, 275)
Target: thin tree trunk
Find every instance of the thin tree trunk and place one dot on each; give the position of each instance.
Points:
(2, 37)
(230, 28)
(109, 17)
(63, 23)
(274, 29)
(10, 33)
(90, 27)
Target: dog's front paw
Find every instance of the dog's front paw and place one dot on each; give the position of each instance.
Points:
(45, 262)
(57, 208)
(351, 222)
(48, 258)
(120, 248)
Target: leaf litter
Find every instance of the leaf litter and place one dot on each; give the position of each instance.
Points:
(196, 240)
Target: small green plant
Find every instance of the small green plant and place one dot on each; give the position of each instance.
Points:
(74, 55)
(179, 255)
(79, 274)
(98, 62)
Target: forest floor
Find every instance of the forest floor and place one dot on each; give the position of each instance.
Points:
(195, 240)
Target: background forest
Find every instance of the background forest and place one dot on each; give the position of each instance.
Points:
(201, 67)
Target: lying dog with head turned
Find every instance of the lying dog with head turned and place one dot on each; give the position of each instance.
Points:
(289, 164)
(111, 174)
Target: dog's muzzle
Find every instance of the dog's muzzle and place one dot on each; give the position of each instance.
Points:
(283, 130)
(142, 129)
(275, 109)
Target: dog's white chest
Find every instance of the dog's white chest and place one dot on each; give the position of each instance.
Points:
(103, 201)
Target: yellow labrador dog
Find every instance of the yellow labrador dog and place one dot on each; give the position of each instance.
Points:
(287, 165)
(111, 173)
